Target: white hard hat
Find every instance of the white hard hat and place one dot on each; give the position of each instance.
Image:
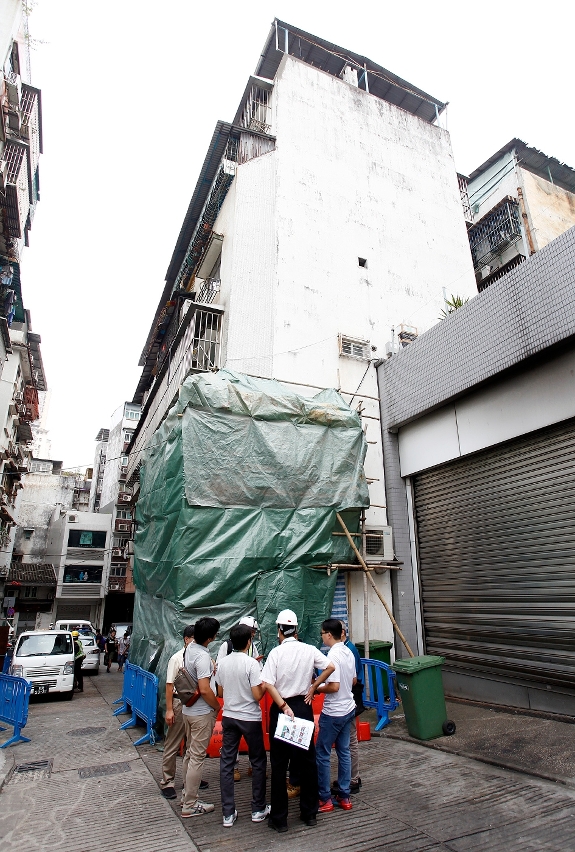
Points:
(287, 616)
(250, 621)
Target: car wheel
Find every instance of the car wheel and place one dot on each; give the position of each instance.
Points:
(448, 728)
(68, 696)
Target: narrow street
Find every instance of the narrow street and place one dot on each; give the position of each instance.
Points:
(100, 792)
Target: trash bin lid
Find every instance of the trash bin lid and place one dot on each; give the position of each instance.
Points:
(416, 664)
(375, 644)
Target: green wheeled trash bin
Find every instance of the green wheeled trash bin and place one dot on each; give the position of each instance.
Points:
(378, 650)
(421, 690)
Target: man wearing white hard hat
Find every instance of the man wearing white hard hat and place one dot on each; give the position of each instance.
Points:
(288, 677)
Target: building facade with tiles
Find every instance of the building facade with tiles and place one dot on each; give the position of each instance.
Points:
(478, 423)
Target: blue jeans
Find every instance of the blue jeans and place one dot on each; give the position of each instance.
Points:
(333, 729)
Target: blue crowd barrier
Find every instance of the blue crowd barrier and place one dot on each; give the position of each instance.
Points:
(379, 690)
(7, 661)
(14, 699)
(140, 698)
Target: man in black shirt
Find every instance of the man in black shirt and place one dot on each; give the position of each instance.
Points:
(111, 649)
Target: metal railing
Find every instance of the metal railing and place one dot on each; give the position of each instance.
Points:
(379, 690)
(494, 232)
(140, 698)
(14, 699)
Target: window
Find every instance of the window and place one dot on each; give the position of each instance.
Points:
(31, 592)
(82, 574)
(41, 467)
(117, 571)
(124, 513)
(87, 538)
(131, 415)
(124, 461)
(354, 348)
(362, 261)
(128, 435)
(28, 533)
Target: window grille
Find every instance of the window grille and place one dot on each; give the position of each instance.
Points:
(256, 114)
(354, 348)
(493, 233)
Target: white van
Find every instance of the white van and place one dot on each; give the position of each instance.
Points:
(76, 624)
(46, 659)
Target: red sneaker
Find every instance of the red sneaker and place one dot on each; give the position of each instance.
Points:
(325, 807)
(344, 804)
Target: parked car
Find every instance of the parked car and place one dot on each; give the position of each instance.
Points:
(76, 624)
(92, 660)
(46, 659)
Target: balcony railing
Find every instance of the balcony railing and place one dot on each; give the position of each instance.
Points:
(493, 233)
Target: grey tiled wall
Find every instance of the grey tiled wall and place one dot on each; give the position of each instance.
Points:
(526, 311)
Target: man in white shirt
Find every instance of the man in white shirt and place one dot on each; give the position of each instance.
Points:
(200, 718)
(336, 717)
(240, 684)
(174, 719)
(253, 651)
(287, 676)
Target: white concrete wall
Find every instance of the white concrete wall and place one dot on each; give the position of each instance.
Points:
(515, 406)
(352, 176)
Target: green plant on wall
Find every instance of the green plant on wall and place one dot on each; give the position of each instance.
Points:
(451, 305)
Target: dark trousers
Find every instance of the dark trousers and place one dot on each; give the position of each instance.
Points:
(233, 730)
(78, 674)
(301, 762)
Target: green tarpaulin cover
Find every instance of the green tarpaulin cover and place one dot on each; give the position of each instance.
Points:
(238, 493)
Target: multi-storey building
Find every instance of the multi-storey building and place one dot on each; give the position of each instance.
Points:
(35, 573)
(21, 371)
(116, 500)
(98, 469)
(324, 224)
(78, 546)
(516, 203)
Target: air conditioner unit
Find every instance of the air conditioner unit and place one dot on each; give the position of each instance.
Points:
(18, 397)
(125, 527)
(378, 545)
(72, 519)
(125, 497)
(123, 469)
(115, 587)
(116, 551)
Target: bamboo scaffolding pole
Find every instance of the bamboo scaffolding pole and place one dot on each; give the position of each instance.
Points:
(368, 576)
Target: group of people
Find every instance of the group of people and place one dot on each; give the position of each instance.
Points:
(115, 650)
(293, 673)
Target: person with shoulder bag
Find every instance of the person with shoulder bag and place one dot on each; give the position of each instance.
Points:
(173, 718)
(199, 713)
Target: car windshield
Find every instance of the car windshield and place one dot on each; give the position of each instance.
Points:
(44, 645)
(87, 640)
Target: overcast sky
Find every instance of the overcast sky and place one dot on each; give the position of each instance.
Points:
(131, 92)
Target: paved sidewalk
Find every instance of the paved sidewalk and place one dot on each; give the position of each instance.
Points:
(535, 743)
(413, 799)
(118, 808)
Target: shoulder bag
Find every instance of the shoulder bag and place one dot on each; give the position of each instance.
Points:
(185, 686)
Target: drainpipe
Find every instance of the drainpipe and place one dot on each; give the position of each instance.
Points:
(525, 220)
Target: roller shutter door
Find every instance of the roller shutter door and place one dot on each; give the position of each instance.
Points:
(496, 545)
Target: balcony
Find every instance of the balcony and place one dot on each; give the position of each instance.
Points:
(495, 232)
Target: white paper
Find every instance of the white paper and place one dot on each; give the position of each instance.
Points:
(297, 733)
